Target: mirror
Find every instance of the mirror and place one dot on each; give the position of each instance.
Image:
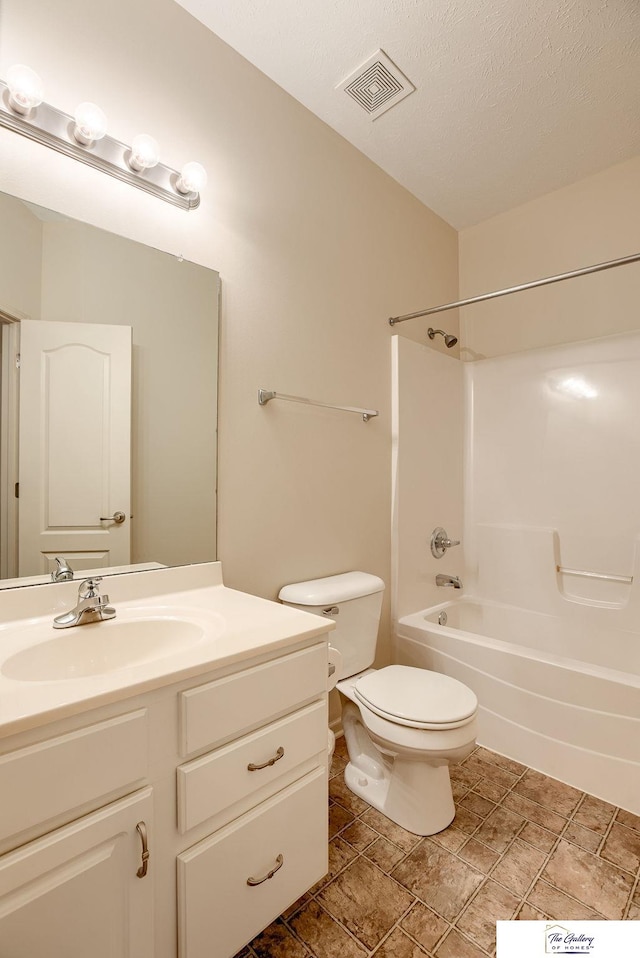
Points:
(64, 286)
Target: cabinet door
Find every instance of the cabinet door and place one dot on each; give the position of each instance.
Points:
(75, 892)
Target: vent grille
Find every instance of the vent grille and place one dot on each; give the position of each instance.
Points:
(377, 85)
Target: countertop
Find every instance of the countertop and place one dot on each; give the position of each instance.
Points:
(236, 627)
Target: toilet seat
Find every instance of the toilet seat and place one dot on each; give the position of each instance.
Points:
(416, 698)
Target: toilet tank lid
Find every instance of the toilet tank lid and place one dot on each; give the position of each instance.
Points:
(333, 588)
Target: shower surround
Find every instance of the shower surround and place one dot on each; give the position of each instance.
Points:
(547, 630)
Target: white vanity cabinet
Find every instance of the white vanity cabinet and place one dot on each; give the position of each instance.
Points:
(224, 773)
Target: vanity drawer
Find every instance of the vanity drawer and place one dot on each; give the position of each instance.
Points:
(215, 902)
(46, 780)
(211, 784)
(227, 707)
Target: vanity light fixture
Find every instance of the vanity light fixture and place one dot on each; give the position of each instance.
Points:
(84, 137)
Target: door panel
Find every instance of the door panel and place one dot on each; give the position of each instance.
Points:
(75, 444)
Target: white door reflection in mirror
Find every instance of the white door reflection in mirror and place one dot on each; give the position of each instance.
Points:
(75, 445)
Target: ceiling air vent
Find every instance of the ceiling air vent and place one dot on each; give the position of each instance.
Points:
(377, 85)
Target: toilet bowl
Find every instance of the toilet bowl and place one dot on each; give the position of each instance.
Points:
(403, 726)
(399, 763)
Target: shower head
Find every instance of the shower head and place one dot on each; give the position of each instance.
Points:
(449, 340)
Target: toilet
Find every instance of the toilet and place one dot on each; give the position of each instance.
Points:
(403, 726)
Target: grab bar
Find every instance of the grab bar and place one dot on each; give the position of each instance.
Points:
(628, 579)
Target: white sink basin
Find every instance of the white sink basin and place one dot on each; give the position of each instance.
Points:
(131, 639)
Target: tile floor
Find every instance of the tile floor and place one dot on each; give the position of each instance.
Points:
(522, 845)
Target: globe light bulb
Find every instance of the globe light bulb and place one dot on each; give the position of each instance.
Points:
(192, 179)
(91, 123)
(25, 88)
(145, 153)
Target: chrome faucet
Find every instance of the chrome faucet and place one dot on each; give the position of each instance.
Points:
(63, 571)
(452, 581)
(91, 606)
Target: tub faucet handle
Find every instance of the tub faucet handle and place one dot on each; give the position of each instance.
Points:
(440, 542)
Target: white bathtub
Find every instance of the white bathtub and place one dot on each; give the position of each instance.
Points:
(557, 694)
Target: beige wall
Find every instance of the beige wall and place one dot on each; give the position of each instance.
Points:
(20, 260)
(316, 247)
(592, 221)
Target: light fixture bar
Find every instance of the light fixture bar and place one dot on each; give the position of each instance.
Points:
(53, 128)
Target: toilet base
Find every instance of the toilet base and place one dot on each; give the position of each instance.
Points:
(409, 791)
(417, 797)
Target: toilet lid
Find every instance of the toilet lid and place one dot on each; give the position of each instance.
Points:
(416, 697)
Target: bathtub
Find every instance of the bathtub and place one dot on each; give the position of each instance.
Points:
(561, 695)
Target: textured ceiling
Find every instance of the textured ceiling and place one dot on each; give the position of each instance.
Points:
(514, 98)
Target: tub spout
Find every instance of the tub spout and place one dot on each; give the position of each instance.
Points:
(450, 581)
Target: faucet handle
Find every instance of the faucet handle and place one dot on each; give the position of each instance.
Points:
(89, 588)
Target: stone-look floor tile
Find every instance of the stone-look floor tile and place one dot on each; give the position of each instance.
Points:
(496, 759)
(622, 847)
(490, 790)
(339, 792)
(399, 945)
(466, 820)
(489, 771)
(529, 913)
(499, 829)
(451, 838)
(339, 818)
(634, 912)
(359, 835)
(477, 804)
(557, 905)
(458, 790)
(548, 792)
(538, 837)
(464, 775)
(438, 878)
(340, 854)
(276, 941)
(518, 867)
(424, 925)
(534, 813)
(366, 901)
(492, 903)
(456, 946)
(395, 833)
(337, 767)
(628, 819)
(591, 880)
(297, 905)
(595, 814)
(582, 836)
(384, 854)
(322, 935)
(479, 856)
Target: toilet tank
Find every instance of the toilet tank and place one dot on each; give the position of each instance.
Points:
(354, 601)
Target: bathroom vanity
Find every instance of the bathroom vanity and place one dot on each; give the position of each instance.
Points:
(165, 801)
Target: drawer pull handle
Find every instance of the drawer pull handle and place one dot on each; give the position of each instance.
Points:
(141, 829)
(258, 881)
(272, 761)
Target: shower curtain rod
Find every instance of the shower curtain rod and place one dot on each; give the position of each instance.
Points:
(518, 289)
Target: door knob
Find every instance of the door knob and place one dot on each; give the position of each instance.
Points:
(118, 517)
